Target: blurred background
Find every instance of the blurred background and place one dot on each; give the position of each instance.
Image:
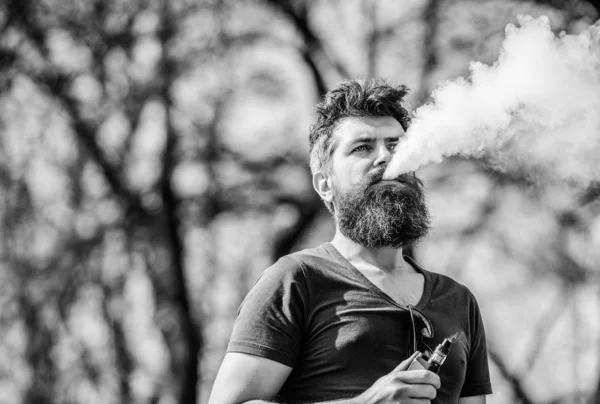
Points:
(154, 160)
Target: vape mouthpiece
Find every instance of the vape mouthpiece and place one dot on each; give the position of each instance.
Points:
(445, 346)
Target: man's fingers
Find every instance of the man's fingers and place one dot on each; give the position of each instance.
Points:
(420, 377)
(423, 391)
(406, 362)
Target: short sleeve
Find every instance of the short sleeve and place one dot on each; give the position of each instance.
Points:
(477, 378)
(270, 320)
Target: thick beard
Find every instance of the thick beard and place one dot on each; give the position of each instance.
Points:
(383, 215)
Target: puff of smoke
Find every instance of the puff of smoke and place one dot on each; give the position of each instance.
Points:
(536, 108)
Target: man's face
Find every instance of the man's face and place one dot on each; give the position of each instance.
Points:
(369, 211)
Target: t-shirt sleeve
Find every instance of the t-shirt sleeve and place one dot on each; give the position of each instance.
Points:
(477, 378)
(270, 320)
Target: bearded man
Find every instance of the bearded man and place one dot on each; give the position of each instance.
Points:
(343, 321)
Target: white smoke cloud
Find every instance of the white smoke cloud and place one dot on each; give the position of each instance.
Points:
(537, 108)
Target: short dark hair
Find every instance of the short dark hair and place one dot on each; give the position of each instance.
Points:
(353, 98)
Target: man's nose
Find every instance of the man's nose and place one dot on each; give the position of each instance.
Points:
(383, 156)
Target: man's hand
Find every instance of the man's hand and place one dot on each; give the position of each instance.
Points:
(403, 386)
(251, 379)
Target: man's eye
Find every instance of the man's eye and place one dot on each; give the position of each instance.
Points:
(363, 147)
(392, 146)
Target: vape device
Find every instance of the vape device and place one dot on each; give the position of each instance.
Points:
(436, 360)
(438, 356)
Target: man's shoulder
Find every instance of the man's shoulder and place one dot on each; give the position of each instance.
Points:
(447, 281)
(307, 260)
(320, 252)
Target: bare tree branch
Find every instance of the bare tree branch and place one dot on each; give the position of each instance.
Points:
(431, 20)
(515, 381)
(22, 14)
(373, 34)
(314, 48)
(123, 358)
(308, 212)
(542, 329)
(38, 353)
(191, 334)
(56, 84)
(575, 8)
(590, 194)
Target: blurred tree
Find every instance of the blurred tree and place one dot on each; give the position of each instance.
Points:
(88, 64)
(153, 161)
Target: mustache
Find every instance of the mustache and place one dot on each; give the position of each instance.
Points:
(405, 178)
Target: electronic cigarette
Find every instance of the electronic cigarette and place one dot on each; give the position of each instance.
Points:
(440, 354)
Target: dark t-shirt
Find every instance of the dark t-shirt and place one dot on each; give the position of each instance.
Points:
(315, 312)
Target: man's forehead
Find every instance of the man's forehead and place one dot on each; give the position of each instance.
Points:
(352, 128)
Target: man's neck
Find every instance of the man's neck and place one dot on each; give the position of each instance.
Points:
(386, 259)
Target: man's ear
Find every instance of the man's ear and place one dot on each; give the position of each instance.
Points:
(323, 185)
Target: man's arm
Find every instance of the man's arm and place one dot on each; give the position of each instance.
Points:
(244, 377)
(472, 400)
(250, 379)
